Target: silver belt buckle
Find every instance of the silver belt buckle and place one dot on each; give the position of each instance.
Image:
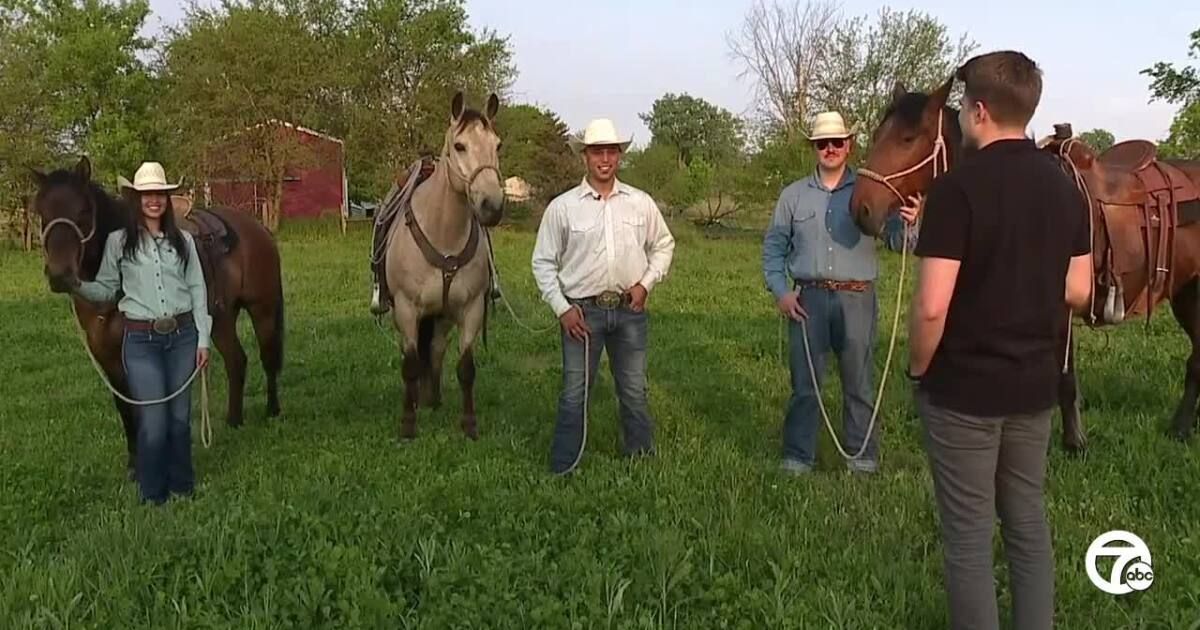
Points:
(608, 300)
(165, 325)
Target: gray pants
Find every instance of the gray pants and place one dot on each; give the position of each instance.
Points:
(982, 466)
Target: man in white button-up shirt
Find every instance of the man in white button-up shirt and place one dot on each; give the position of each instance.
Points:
(601, 248)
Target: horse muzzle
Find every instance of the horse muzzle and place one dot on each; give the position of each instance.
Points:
(491, 212)
(61, 282)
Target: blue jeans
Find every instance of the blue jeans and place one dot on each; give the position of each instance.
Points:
(623, 333)
(157, 365)
(842, 322)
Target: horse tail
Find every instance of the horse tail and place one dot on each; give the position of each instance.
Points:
(425, 329)
(279, 319)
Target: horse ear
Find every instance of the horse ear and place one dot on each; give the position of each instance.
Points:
(937, 100)
(84, 169)
(39, 177)
(493, 106)
(898, 91)
(456, 107)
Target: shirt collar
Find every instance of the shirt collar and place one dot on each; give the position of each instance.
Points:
(848, 178)
(586, 190)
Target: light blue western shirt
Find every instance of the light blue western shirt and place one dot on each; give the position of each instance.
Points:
(813, 237)
(154, 282)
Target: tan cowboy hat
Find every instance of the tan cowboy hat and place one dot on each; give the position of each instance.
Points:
(599, 131)
(829, 125)
(150, 176)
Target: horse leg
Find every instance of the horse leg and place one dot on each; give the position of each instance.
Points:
(1074, 440)
(225, 337)
(472, 321)
(405, 316)
(268, 329)
(1186, 306)
(431, 380)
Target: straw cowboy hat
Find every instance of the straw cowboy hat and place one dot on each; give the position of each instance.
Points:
(150, 177)
(599, 131)
(829, 125)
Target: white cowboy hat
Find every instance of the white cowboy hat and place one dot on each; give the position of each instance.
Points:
(150, 176)
(599, 131)
(829, 125)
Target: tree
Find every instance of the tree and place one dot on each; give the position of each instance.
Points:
(1098, 139)
(695, 127)
(782, 48)
(404, 60)
(806, 57)
(535, 149)
(1180, 86)
(72, 82)
(229, 74)
(866, 61)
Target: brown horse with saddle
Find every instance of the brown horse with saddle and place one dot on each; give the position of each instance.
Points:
(241, 266)
(1144, 213)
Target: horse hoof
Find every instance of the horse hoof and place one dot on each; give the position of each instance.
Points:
(235, 423)
(130, 473)
(408, 430)
(1180, 435)
(470, 428)
(273, 411)
(1076, 447)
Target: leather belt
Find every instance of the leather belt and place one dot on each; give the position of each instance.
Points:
(609, 300)
(857, 286)
(162, 325)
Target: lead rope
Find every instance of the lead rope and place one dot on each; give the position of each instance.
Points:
(205, 421)
(938, 157)
(1064, 152)
(812, 371)
(587, 350)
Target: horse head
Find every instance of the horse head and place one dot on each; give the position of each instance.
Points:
(74, 223)
(471, 152)
(917, 135)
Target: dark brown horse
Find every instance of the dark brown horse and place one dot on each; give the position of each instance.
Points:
(79, 215)
(909, 132)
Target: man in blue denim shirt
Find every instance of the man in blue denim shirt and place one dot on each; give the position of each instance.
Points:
(814, 242)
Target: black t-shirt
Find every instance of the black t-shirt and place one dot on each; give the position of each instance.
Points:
(1014, 220)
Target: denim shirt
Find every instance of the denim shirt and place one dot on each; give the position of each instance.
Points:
(154, 283)
(813, 237)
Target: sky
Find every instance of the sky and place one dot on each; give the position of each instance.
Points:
(614, 58)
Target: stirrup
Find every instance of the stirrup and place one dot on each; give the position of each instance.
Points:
(377, 305)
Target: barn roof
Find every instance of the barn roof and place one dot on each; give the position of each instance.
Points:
(318, 134)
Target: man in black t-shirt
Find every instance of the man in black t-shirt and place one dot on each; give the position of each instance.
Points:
(1005, 253)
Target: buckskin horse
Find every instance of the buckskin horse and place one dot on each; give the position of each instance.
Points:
(1144, 213)
(241, 270)
(435, 269)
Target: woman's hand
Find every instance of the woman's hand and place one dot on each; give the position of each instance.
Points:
(201, 357)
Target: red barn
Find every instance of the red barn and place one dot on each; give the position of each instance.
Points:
(314, 182)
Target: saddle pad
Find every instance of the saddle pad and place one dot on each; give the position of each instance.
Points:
(210, 231)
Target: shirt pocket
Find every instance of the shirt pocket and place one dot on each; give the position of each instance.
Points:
(633, 231)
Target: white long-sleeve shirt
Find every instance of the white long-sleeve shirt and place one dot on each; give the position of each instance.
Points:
(587, 245)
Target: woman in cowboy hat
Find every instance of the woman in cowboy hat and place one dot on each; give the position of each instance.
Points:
(155, 266)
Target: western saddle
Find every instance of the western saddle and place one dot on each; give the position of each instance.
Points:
(214, 240)
(1139, 201)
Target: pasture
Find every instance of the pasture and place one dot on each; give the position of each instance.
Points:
(324, 519)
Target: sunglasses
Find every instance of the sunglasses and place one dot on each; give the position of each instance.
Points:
(836, 143)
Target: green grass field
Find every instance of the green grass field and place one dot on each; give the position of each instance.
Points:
(322, 519)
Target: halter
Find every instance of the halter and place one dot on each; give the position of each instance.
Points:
(83, 239)
(939, 151)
